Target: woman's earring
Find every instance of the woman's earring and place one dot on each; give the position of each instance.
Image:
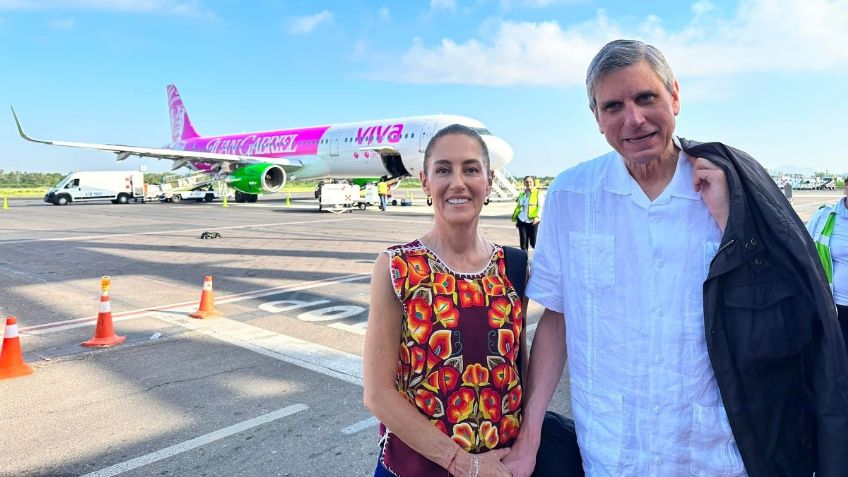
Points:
(429, 200)
(486, 202)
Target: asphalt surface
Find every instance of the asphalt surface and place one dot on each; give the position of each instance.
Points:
(271, 388)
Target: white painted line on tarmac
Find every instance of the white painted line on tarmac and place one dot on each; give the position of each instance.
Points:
(356, 328)
(173, 231)
(360, 426)
(314, 357)
(197, 442)
(88, 320)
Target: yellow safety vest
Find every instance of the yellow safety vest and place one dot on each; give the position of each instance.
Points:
(532, 205)
(382, 188)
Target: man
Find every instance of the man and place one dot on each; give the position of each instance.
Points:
(699, 335)
(527, 213)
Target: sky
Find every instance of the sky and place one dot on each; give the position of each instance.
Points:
(766, 76)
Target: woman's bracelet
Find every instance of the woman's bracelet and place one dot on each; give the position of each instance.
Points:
(475, 466)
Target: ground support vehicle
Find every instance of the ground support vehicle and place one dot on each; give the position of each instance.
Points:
(339, 197)
(205, 193)
(119, 187)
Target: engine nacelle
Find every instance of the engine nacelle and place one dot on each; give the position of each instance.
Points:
(263, 178)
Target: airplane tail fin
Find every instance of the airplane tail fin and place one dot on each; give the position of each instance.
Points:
(181, 128)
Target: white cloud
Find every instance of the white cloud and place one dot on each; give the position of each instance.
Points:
(761, 36)
(383, 13)
(508, 4)
(306, 24)
(443, 5)
(169, 7)
(62, 23)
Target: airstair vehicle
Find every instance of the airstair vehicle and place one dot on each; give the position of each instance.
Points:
(503, 186)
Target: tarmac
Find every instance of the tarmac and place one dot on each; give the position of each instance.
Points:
(274, 387)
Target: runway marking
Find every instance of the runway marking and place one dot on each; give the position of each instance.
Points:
(314, 357)
(356, 328)
(197, 442)
(360, 426)
(127, 315)
(170, 232)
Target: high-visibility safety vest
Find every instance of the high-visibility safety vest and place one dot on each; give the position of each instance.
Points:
(823, 247)
(532, 205)
(382, 188)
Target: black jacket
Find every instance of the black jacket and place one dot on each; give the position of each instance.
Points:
(771, 331)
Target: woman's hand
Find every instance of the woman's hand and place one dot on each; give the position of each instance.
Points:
(488, 464)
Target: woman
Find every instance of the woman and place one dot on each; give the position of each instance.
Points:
(829, 228)
(527, 213)
(445, 330)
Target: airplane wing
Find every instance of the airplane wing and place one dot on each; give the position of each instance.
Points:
(181, 158)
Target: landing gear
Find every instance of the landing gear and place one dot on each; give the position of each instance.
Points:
(242, 197)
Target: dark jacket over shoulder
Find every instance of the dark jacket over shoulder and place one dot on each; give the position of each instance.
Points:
(772, 332)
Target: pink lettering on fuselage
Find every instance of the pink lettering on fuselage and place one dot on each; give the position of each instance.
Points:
(254, 145)
(378, 134)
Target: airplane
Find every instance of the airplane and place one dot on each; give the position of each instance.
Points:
(261, 162)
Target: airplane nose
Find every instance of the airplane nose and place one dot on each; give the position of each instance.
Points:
(500, 152)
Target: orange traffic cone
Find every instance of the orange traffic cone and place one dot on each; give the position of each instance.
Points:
(104, 334)
(11, 359)
(207, 301)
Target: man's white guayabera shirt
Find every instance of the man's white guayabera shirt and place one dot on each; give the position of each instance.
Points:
(628, 275)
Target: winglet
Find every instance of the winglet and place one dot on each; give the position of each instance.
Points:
(18, 123)
(21, 129)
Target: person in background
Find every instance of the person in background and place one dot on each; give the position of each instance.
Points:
(383, 192)
(787, 190)
(446, 330)
(829, 229)
(528, 212)
(700, 333)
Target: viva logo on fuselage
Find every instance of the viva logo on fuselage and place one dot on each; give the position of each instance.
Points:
(390, 133)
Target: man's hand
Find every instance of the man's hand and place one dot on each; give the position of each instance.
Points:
(710, 181)
(521, 462)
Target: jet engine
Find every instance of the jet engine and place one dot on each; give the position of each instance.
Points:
(263, 178)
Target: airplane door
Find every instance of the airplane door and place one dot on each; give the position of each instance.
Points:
(426, 134)
(334, 144)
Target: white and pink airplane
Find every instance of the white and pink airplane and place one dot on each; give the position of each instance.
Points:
(260, 162)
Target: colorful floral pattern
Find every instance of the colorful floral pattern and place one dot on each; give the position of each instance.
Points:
(460, 346)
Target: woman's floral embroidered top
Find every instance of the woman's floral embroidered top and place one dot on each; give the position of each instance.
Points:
(459, 347)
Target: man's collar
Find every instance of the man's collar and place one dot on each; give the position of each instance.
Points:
(617, 178)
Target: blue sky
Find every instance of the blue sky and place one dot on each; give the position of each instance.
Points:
(766, 76)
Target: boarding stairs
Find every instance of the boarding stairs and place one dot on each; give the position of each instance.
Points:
(503, 186)
(172, 183)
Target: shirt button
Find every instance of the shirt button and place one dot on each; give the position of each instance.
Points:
(659, 360)
(657, 409)
(660, 263)
(657, 460)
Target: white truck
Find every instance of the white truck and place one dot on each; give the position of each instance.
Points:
(84, 186)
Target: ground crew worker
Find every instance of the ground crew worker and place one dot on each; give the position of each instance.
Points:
(528, 212)
(383, 192)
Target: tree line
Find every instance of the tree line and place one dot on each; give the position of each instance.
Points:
(35, 180)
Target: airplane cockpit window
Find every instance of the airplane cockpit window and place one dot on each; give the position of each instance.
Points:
(482, 131)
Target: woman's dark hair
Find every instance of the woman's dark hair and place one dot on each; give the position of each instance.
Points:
(458, 130)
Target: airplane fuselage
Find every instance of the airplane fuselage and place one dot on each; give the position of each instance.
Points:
(358, 149)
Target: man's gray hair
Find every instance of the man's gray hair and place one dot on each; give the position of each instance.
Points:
(619, 54)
